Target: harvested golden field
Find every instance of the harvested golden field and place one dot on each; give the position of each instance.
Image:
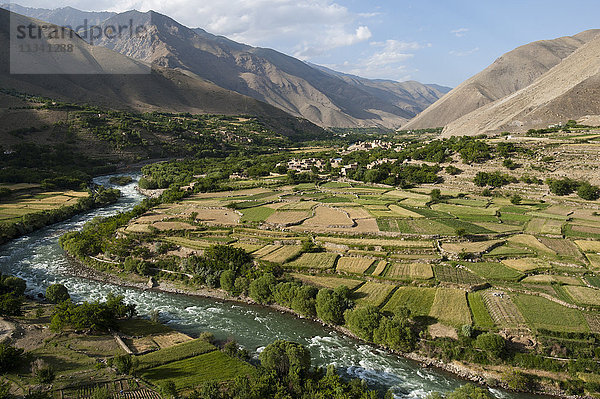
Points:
(561, 246)
(327, 281)
(283, 254)
(549, 279)
(248, 247)
(526, 264)
(319, 260)
(584, 295)
(267, 249)
(529, 241)
(408, 271)
(219, 216)
(594, 260)
(588, 245)
(356, 212)
(353, 264)
(329, 217)
(238, 193)
(380, 268)
(173, 226)
(471, 247)
(372, 293)
(288, 218)
(299, 206)
(151, 218)
(137, 228)
(403, 212)
(398, 243)
(451, 306)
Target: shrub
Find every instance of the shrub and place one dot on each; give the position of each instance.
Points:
(57, 293)
(492, 344)
(588, 192)
(42, 372)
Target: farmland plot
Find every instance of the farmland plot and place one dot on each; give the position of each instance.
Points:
(456, 275)
(470, 247)
(526, 264)
(408, 271)
(584, 295)
(373, 293)
(503, 311)
(283, 254)
(380, 268)
(327, 281)
(530, 242)
(543, 313)
(561, 246)
(329, 217)
(417, 299)
(588, 245)
(494, 271)
(354, 265)
(481, 316)
(450, 306)
(320, 260)
(288, 218)
(267, 249)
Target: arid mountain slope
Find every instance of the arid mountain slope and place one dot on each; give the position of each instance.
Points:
(570, 90)
(106, 85)
(60, 16)
(509, 73)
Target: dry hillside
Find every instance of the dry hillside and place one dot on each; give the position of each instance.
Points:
(509, 73)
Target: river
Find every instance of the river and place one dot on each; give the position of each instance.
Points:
(39, 260)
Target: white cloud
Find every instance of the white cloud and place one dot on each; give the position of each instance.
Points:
(307, 27)
(464, 53)
(460, 32)
(387, 61)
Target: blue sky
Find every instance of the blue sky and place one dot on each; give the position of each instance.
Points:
(431, 41)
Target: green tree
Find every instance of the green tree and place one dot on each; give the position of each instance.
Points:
(56, 293)
(227, 280)
(363, 321)
(261, 289)
(304, 301)
(285, 358)
(330, 306)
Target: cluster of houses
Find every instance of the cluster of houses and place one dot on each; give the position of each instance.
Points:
(369, 145)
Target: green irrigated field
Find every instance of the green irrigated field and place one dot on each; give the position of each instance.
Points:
(320, 260)
(354, 265)
(481, 316)
(193, 372)
(373, 293)
(175, 353)
(494, 271)
(541, 313)
(417, 299)
(408, 271)
(456, 275)
(450, 306)
(257, 214)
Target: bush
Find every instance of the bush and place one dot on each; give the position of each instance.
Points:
(517, 380)
(492, 344)
(588, 192)
(10, 357)
(57, 293)
(562, 186)
(42, 372)
(516, 199)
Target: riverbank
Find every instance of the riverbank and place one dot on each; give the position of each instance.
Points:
(468, 372)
